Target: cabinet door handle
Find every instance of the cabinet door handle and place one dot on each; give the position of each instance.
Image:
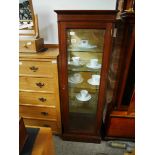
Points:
(44, 113)
(33, 68)
(40, 84)
(42, 99)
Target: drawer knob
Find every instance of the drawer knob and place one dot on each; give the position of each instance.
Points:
(33, 68)
(40, 84)
(42, 99)
(27, 44)
(44, 113)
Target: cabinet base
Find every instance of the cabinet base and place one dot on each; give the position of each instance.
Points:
(81, 138)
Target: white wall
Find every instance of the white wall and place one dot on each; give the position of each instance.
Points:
(48, 18)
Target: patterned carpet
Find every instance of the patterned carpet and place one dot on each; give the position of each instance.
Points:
(79, 148)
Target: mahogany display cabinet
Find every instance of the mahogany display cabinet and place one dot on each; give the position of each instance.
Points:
(85, 40)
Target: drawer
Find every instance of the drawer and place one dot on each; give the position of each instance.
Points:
(36, 68)
(37, 99)
(37, 112)
(36, 84)
(42, 123)
(31, 46)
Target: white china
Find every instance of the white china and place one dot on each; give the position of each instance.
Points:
(76, 60)
(87, 98)
(90, 81)
(79, 64)
(95, 78)
(98, 66)
(71, 80)
(93, 64)
(83, 93)
(76, 78)
(83, 43)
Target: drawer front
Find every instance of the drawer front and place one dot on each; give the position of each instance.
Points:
(36, 84)
(37, 112)
(36, 68)
(37, 99)
(42, 123)
(27, 46)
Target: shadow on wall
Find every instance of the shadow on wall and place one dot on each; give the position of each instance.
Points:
(44, 32)
(46, 28)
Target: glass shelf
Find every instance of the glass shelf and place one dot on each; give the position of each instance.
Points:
(83, 85)
(83, 69)
(76, 49)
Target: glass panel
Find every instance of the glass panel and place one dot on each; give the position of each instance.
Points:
(85, 50)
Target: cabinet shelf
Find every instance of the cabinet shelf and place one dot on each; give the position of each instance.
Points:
(83, 85)
(83, 69)
(85, 50)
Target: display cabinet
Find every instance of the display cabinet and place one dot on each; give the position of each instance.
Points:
(85, 39)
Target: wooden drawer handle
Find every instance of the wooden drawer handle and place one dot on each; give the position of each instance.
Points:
(40, 84)
(26, 45)
(42, 99)
(45, 125)
(33, 68)
(44, 113)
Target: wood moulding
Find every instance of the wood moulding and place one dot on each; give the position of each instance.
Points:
(51, 45)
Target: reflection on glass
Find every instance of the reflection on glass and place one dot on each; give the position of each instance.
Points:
(25, 14)
(85, 50)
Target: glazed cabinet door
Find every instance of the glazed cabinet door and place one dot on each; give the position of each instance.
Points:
(84, 58)
(84, 63)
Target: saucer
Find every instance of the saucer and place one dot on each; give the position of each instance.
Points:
(90, 81)
(72, 80)
(72, 63)
(87, 98)
(94, 67)
(87, 46)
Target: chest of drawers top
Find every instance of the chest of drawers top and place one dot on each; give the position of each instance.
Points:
(51, 53)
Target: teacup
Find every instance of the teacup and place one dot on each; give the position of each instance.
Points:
(96, 78)
(83, 93)
(93, 62)
(77, 77)
(76, 60)
(83, 43)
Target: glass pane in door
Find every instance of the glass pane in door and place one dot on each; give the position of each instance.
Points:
(85, 51)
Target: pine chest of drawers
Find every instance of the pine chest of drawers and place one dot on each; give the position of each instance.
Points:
(39, 89)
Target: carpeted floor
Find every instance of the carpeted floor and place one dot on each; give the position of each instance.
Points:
(79, 148)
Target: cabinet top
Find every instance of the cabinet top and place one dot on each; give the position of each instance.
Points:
(86, 11)
(86, 15)
(49, 54)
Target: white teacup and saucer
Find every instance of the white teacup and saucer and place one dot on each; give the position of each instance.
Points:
(93, 64)
(76, 78)
(95, 80)
(76, 61)
(83, 96)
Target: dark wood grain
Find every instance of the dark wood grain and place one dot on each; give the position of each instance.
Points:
(121, 122)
